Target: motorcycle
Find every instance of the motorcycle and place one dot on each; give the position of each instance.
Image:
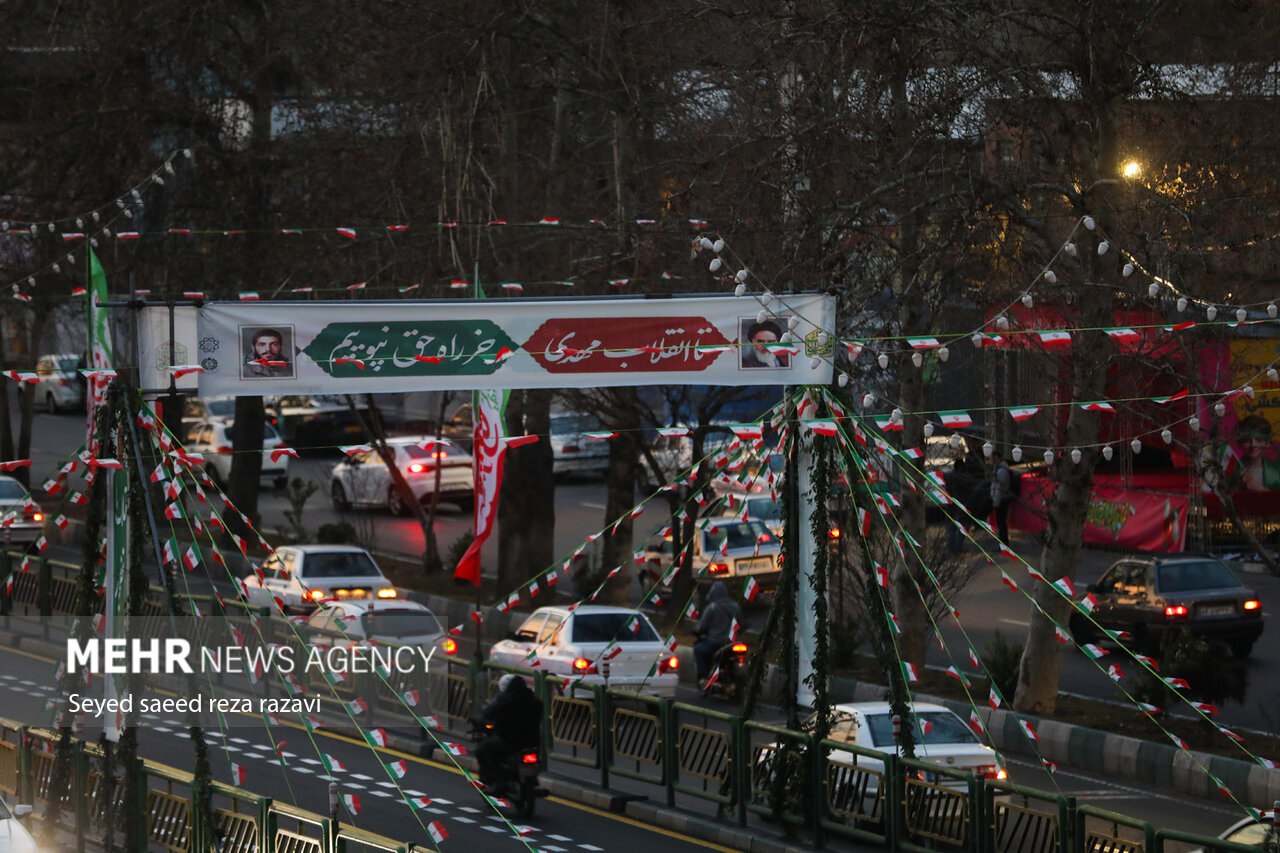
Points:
(728, 679)
(520, 770)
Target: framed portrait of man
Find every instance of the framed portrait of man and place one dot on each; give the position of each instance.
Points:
(760, 345)
(268, 352)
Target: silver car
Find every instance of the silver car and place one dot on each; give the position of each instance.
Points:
(60, 387)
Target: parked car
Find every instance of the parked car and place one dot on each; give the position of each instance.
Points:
(1247, 830)
(402, 623)
(1150, 597)
(362, 479)
(210, 408)
(20, 518)
(303, 575)
(723, 547)
(613, 646)
(14, 837)
(215, 440)
(60, 386)
(572, 452)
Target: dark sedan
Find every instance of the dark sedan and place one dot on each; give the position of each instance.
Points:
(1152, 597)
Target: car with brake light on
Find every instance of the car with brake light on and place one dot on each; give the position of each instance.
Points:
(723, 547)
(21, 520)
(393, 622)
(215, 440)
(1152, 597)
(593, 644)
(362, 479)
(301, 576)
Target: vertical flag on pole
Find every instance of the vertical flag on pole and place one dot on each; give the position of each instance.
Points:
(487, 452)
(116, 585)
(100, 354)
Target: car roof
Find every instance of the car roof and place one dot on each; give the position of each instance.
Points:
(317, 548)
(587, 608)
(865, 708)
(393, 605)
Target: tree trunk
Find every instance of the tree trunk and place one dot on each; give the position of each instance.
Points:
(619, 500)
(526, 510)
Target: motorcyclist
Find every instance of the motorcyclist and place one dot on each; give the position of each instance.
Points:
(713, 629)
(516, 716)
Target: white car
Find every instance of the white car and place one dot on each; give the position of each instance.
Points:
(593, 644)
(723, 547)
(572, 450)
(362, 479)
(940, 737)
(214, 440)
(59, 386)
(302, 576)
(14, 837)
(401, 623)
(20, 518)
(1249, 831)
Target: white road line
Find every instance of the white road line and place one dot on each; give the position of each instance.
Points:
(502, 829)
(467, 809)
(461, 819)
(559, 838)
(362, 777)
(551, 848)
(309, 760)
(592, 848)
(238, 740)
(374, 793)
(160, 729)
(590, 505)
(1021, 622)
(386, 784)
(414, 793)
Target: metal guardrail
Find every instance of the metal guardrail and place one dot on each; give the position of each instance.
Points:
(683, 751)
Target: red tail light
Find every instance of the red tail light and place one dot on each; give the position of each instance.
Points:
(450, 646)
(1252, 604)
(670, 664)
(718, 569)
(582, 666)
(529, 758)
(833, 533)
(739, 648)
(224, 449)
(417, 468)
(1175, 611)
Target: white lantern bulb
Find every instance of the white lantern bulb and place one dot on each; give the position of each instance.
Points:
(843, 381)
(1016, 453)
(1127, 270)
(867, 400)
(95, 216)
(1220, 409)
(1153, 290)
(1194, 423)
(882, 360)
(1051, 276)
(761, 316)
(717, 246)
(1070, 249)
(740, 290)
(741, 275)
(954, 441)
(1167, 435)
(1211, 312)
(705, 243)
(1027, 300)
(987, 449)
(1103, 247)
(1076, 455)
(1048, 457)
(1273, 374)
(943, 354)
(977, 339)
(57, 268)
(1108, 452)
(1241, 315)
(895, 416)
(792, 322)
(715, 264)
(1002, 323)
(1182, 304)
(917, 359)
(1089, 223)
(766, 298)
(1247, 391)
(815, 363)
(1136, 445)
(928, 429)
(822, 339)
(1272, 311)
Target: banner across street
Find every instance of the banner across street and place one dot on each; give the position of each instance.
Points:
(344, 348)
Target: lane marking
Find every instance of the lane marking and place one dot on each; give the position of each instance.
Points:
(591, 505)
(1020, 622)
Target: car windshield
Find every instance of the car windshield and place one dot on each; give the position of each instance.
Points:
(1203, 574)
(400, 623)
(931, 727)
(764, 508)
(566, 424)
(738, 534)
(66, 362)
(11, 490)
(221, 408)
(442, 451)
(607, 627)
(341, 564)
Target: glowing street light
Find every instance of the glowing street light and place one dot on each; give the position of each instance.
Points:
(1131, 169)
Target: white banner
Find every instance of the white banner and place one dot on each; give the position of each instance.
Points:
(157, 353)
(256, 348)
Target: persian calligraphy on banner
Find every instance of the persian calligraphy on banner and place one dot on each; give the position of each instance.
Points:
(373, 347)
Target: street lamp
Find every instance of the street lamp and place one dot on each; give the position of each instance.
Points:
(1131, 170)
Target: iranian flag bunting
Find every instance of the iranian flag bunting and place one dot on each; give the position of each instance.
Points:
(923, 343)
(191, 558)
(352, 802)
(750, 589)
(398, 768)
(1122, 334)
(1054, 339)
(1164, 401)
(1022, 413)
(909, 671)
(955, 420)
(436, 828)
(331, 764)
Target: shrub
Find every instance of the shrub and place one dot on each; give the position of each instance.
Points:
(1002, 659)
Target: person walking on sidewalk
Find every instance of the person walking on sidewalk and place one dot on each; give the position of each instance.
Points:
(1001, 494)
